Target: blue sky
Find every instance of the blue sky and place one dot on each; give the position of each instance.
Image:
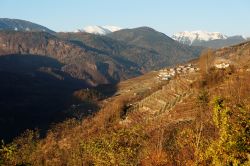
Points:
(230, 17)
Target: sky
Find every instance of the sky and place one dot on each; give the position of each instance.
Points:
(230, 17)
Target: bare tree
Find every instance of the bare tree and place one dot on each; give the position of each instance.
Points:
(206, 60)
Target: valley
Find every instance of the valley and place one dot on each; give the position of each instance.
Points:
(159, 117)
(110, 96)
(50, 67)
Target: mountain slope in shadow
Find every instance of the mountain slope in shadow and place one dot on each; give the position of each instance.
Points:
(34, 93)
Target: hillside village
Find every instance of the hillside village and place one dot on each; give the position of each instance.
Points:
(168, 73)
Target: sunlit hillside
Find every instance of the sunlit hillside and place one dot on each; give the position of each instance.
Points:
(197, 116)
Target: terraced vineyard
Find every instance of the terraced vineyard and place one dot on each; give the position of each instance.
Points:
(161, 103)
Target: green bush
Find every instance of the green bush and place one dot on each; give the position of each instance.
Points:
(232, 147)
(7, 153)
(120, 147)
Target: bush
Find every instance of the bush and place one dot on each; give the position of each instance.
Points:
(232, 147)
(20, 150)
(120, 147)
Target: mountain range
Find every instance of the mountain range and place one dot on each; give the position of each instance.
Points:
(207, 39)
(166, 47)
(192, 38)
(41, 69)
(97, 59)
(189, 38)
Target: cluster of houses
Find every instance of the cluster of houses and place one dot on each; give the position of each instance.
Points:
(168, 73)
(222, 65)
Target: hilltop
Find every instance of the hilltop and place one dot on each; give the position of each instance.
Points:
(170, 51)
(22, 25)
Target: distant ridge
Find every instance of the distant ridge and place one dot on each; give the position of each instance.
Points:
(207, 39)
(22, 25)
(189, 37)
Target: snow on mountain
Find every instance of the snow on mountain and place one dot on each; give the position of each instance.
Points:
(188, 37)
(100, 30)
(112, 28)
(22, 25)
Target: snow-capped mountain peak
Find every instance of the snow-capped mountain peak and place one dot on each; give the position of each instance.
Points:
(100, 30)
(188, 37)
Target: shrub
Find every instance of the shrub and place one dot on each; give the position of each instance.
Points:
(20, 150)
(121, 147)
(232, 147)
(7, 153)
